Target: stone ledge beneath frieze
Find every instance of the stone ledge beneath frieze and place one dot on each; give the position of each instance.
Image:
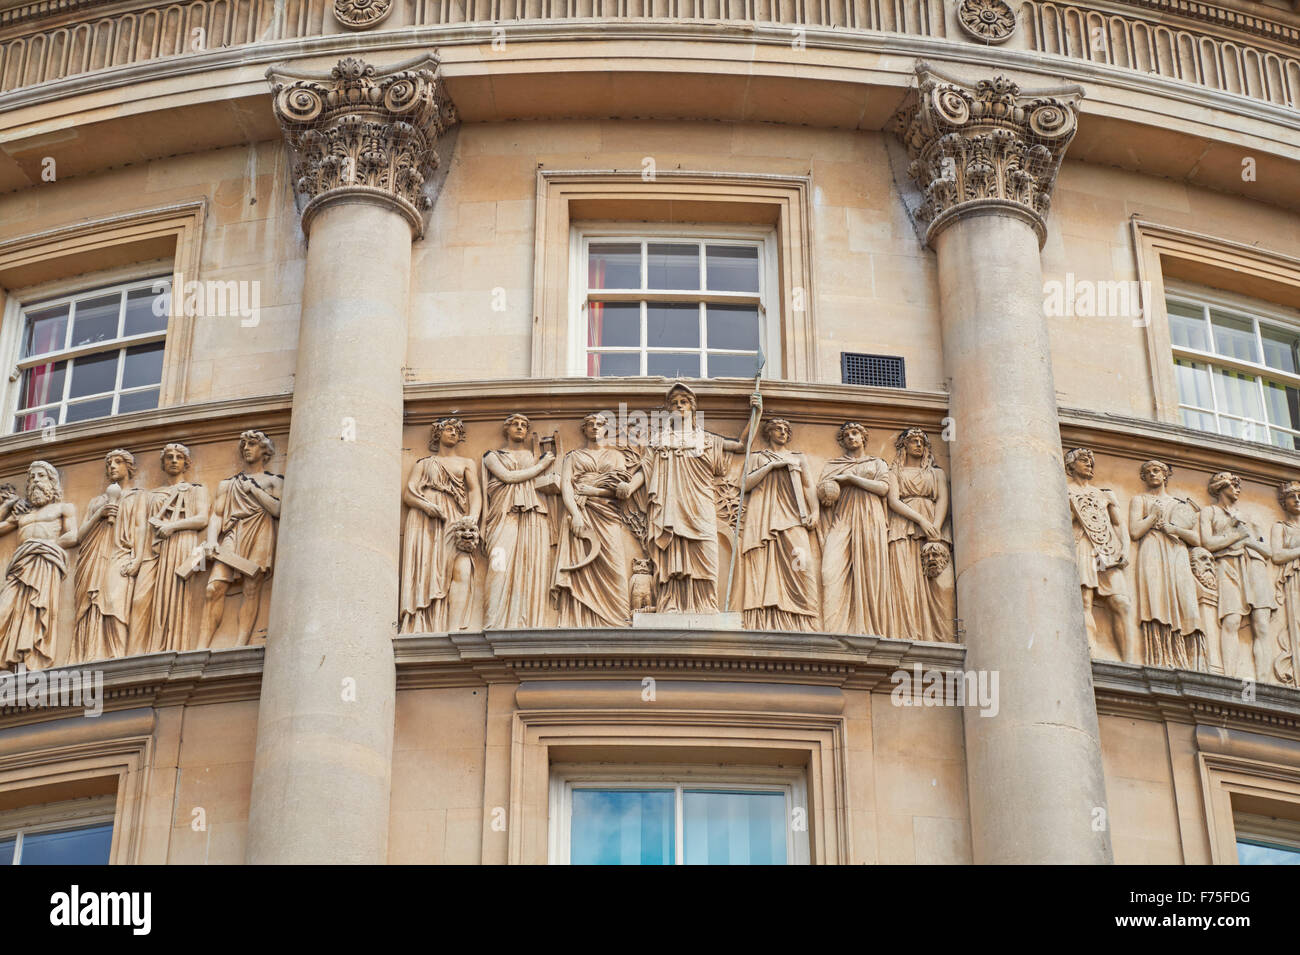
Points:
(1187, 696)
(474, 658)
(152, 680)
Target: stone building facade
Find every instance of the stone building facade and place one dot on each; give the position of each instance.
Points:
(736, 431)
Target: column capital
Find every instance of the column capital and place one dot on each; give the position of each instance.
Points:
(985, 148)
(359, 133)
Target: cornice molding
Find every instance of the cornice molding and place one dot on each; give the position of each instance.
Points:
(1184, 696)
(1139, 439)
(158, 679)
(802, 402)
(511, 656)
(201, 422)
(899, 48)
(1273, 24)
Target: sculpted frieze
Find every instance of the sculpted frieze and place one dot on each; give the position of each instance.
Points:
(151, 565)
(840, 530)
(639, 517)
(1192, 581)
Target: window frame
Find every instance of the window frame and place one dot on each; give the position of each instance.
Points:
(15, 327)
(1269, 832)
(791, 782)
(1260, 314)
(64, 816)
(767, 300)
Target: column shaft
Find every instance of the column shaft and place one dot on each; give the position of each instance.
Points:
(325, 728)
(1037, 793)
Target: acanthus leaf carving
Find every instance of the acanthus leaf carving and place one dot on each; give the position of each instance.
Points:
(360, 131)
(985, 144)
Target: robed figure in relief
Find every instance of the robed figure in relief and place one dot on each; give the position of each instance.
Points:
(29, 601)
(516, 531)
(442, 498)
(163, 613)
(680, 471)
(778, 582)
(109, 539)
(920, 605)
(853, 492)
(1168, 604)
(591, 566)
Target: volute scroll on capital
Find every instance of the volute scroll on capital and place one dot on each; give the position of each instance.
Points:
(986, 147)
(364, 133)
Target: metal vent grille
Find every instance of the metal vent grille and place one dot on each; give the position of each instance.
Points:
(880, 371)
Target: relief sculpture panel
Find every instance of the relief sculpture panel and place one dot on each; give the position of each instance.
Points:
(1193, 578)
(153, 564)
(638, 517)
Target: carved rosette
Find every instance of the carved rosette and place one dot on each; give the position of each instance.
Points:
(361, 14)
(984, 147)
(362, 133)
(992, 21)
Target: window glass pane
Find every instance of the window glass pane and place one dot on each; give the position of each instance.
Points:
(1237, 393)
(1252, 853)
(1283, 405)
(671, 365)
(672, 266)
(732, 366)
(1282, 439)
(1197, 419)
(731, 268)
(7, 851)
(614, 324)
(42, 384)
(140, 317)
(733, 326)
(1193, 383)
(88, 846)
(734, 828)
(1279, 348)
(93, 374)
(143, 365)
(1246, 430)
(672, 326)
(97, 408)
(35, 420)
(613, 365)
(1187, 326)
(1234, 337)
(95, 320)
(614, 265)
(138, 401)
(46, 330)
(622, 827)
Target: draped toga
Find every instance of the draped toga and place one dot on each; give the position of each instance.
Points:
(918, 610)
(779, 588)
(855, 551)
(518, 541)
(29, 604)
(171, 617)
(682, 519)
(104, 593)
(247, 528)
(595, 595)
(428, 546)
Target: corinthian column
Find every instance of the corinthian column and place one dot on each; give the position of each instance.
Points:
(362, 144)
(985, 158)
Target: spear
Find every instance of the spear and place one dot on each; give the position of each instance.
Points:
(754, 414)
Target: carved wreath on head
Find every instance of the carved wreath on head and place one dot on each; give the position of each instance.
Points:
(361, 13)
(989, 20)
